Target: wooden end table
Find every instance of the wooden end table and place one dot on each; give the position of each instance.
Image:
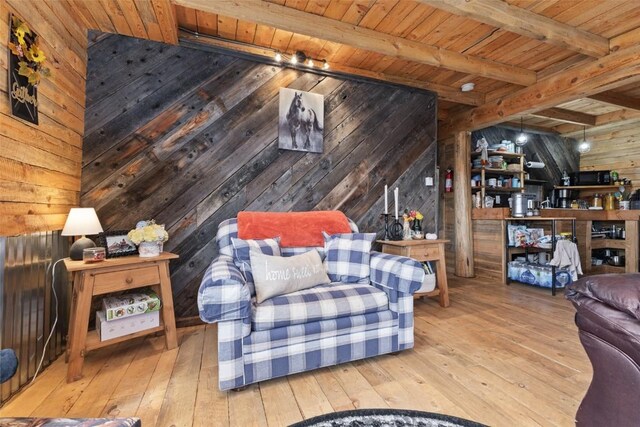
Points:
(424, 250)
(112, 275)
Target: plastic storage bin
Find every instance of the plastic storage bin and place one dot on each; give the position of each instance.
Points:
(537, 275)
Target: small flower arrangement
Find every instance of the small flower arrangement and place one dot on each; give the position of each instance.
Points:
(410, 216)
(31, 57)
(148, 231)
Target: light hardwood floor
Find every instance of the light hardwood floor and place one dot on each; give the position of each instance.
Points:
(500, 355)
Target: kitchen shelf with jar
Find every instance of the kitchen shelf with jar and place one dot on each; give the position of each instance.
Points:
(608, 240)
(515, 175)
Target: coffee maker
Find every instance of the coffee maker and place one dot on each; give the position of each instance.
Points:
(562, 197)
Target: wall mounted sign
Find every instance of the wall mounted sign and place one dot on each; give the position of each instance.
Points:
(26, 67)
(301, 121)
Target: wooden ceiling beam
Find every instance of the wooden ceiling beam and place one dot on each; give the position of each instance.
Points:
(446, 93)
(623, 41)
(521, 21)
(515, 126)
(617, 99)
(609, 72)
(296, 21)
(166, 16)
(569, 116)
(603, 121)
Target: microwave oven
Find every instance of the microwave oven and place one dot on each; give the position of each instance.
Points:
(590, 178)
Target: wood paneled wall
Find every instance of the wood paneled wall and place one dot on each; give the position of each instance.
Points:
(189, 138)
(40, 165)
(618, 150)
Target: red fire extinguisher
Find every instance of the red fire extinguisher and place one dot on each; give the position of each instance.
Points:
(448, 181)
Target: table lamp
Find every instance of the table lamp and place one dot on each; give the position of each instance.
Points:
(80, 222)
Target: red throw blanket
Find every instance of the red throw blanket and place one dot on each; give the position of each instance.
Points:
(295, 229)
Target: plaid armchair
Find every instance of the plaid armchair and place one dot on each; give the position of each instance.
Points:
(308, 329)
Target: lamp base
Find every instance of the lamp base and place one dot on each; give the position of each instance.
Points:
(75, 252)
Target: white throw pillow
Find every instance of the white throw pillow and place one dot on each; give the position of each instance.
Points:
(274, 275)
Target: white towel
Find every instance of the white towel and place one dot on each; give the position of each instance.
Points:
(566, 255)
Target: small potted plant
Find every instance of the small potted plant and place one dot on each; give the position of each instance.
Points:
(149, 237)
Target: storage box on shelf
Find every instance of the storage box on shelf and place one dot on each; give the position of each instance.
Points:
(113, 275)
(110, 329)
(498, 178)
(523, 272)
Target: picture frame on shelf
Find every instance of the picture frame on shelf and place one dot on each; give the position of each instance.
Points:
(116, 243)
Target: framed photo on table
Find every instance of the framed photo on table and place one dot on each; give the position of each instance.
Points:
(116, 243)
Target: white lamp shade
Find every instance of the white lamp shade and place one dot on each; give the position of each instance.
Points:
(82, 222)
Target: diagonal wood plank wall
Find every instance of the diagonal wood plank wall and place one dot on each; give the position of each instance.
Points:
(189, 138)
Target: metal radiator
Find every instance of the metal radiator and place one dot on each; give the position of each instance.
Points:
(27, 304)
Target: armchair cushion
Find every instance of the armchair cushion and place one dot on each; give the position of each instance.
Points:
(223, 293)
(347, 256)
(320, 303)
(275, 275)
(242, 257)
(619, 291)
(402, 274)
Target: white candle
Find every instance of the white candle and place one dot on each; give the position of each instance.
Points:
(395, 196)
(386, 201)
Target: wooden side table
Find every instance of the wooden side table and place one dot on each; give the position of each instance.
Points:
(112, 275)
(424, 250)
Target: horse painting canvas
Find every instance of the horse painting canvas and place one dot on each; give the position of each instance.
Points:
(301, 121)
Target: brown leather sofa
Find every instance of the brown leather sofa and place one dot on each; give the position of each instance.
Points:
(608, 319)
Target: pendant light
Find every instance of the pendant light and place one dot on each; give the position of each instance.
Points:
(584, 146)
(523, 138)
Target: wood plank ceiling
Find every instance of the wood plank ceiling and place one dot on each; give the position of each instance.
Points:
(561, 65)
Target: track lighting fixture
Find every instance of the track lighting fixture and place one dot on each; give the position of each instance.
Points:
(301, 58)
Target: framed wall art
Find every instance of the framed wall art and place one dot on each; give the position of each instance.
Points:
(26, 68)
(116, 243)
(301, 121)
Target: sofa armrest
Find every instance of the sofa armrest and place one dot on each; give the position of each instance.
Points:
(224, 293)
(399, 273)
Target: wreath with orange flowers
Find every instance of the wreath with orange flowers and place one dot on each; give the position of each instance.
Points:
(24, 45)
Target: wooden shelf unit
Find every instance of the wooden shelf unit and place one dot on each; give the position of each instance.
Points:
(112, 275)
(589, 187)
(496, 172)
(511, 250)
(629, 245)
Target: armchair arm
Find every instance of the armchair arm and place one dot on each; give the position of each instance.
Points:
(402, 274)
(223, 293)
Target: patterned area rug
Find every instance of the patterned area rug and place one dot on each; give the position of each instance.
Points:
(385, 418)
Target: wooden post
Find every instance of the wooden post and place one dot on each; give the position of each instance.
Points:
(462, 203)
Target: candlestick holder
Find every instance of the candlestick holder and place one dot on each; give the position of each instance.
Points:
(396, 230)
(387, 235)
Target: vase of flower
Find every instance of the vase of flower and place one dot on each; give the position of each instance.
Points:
(149, 237)
(148, 249)
(414, 221)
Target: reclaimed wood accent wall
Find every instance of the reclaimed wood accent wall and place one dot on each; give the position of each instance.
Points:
(189, 138)
(557, 153)
(40, 165)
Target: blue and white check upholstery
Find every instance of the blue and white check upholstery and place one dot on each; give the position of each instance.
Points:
(347, 257)
(242, 260)
(319, 303)
(307, 329)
